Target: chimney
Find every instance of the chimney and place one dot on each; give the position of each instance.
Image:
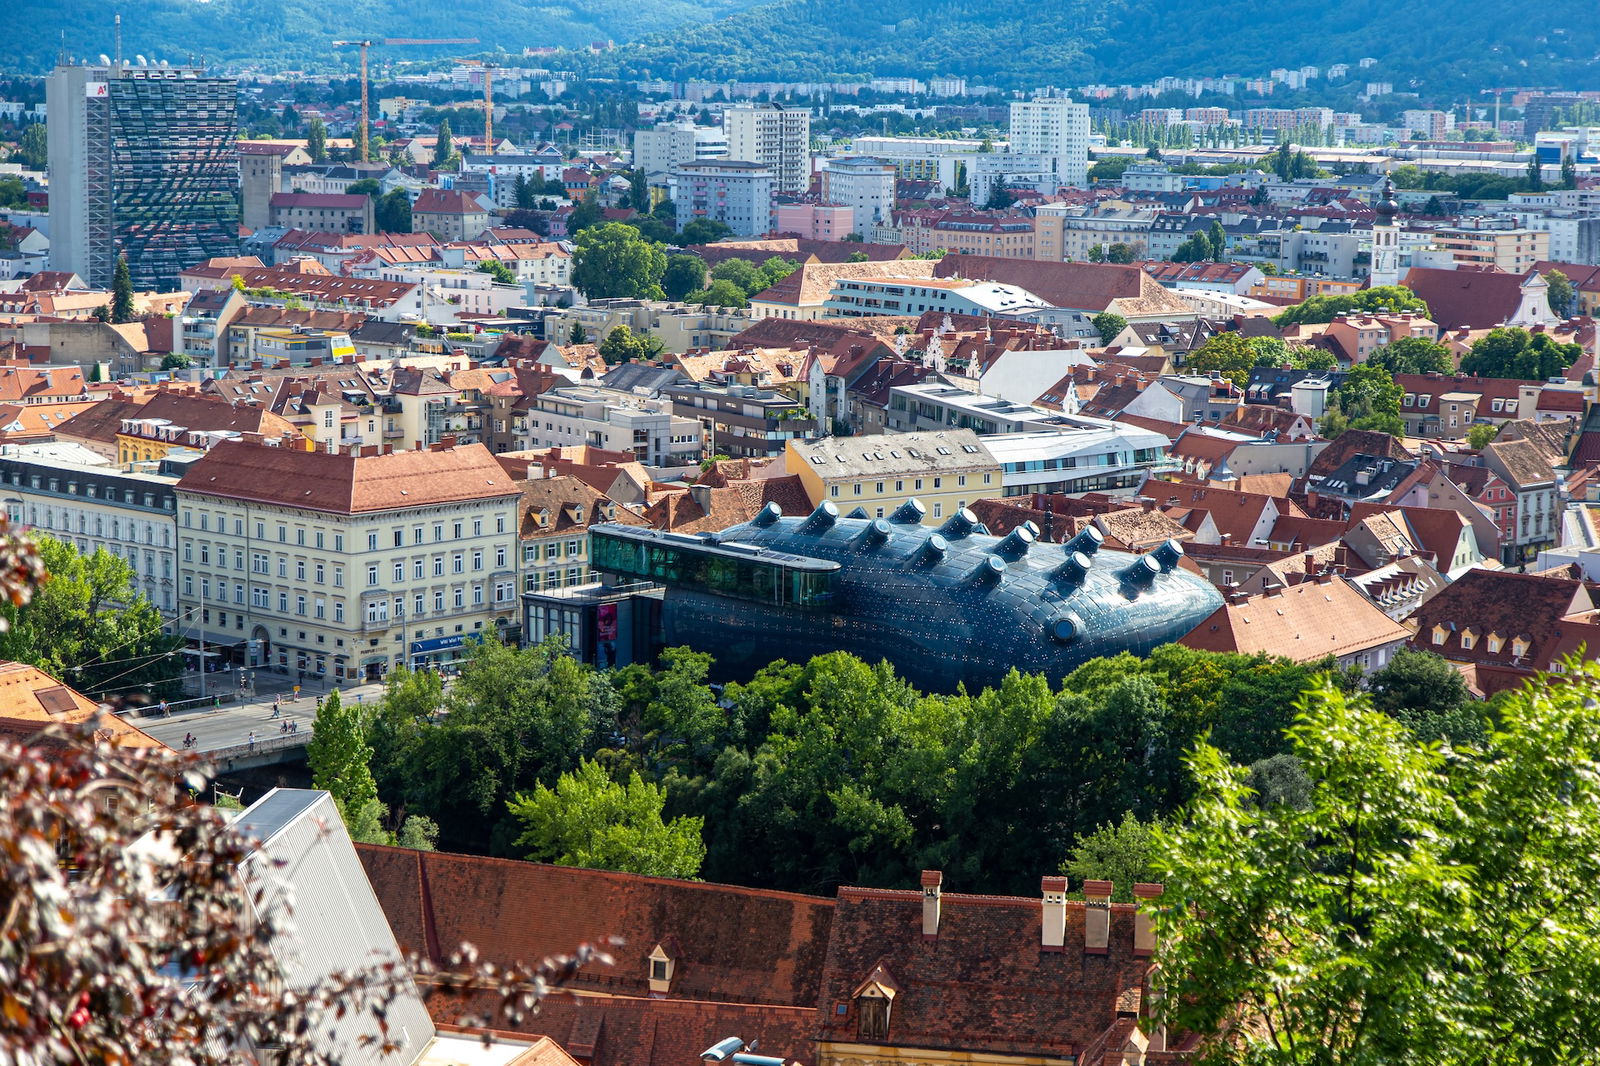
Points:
(931, 882)
(1144, 934)
(1096, 917)
(1311, 564)
(1053, 934)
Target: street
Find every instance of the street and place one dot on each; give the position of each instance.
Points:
(231, 725)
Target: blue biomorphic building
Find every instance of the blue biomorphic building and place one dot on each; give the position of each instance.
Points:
(945, 605)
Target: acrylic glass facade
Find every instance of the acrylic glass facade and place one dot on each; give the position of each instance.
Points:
(945, 606)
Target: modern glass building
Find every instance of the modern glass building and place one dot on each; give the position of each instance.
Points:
(945, 605)
(143, 164)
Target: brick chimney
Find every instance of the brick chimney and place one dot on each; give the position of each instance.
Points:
(932, 880)
(1144, 934)
(1096, 917)
(1053, 934)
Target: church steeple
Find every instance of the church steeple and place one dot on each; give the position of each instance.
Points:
(1386, 238)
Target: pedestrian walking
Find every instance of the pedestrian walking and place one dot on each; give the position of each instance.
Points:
(276, 710)
(252, 740)
(166, 711)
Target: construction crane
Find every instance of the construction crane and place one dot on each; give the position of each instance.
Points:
(488, 101)
(364, 45)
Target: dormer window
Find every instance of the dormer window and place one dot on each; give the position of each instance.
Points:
(1495, 643)
(1440, 635)
(1469, 637)
(660, 964)
(1519, 648)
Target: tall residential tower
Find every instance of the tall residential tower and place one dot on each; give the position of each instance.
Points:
(777, 137)
(143, 164)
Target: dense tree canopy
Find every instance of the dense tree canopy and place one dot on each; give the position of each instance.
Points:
(1229, 354)
(612, 260)
(1423, 901)
(1513, 352)
(1414, 355)
(1327, 308)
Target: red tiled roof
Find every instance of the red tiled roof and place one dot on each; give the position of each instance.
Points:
(445, 202)
(347, 484)
(1475, 299)
(735, 945)
(331, 201)
(1304, 622)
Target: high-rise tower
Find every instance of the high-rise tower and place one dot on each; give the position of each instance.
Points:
(143, 164)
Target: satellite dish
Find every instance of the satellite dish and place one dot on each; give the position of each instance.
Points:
(141, 60)
(164, 63)
(105, 60)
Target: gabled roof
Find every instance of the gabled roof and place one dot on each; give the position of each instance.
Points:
(1304, 622)
(446, 202)
(1089, 287)
(347, 484)
(1508, 605)
(1348, 445)
(737, 945)
(985, 987)
(31, 700)
(1474, 299)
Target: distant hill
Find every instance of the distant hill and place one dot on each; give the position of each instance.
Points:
(299, 33)
(1472, 44)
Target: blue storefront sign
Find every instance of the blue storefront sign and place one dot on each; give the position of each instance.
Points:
(426, 647)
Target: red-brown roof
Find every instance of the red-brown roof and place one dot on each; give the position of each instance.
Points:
(730, 944)
(347, 484)
(1474, 299)
(1304, 622)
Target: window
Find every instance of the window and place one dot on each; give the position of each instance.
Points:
(320, 608)
(283, 603)
(458, 563)
(338, 542)
(477, 595)
(1494, 642)
(399, 538)
(961, 481)
(833, 490)
(460, 596)
(300, 605)
(418, 566)
(500, 523)
(338, 611)
(372, 542)
(477, 560)
(399, 570)
(477, 527)
(938, 510)
(283, 566)
(299, 569)
(500, 557)
(438, 566)
(372, 574)
(438, 600)
(338, 577)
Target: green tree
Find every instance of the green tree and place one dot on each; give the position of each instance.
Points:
(419, 833)
(89, 627)
(623, 345)
(339, 756)
(1429, 696)
(704, 231)
(1120, 852)
(498, 270)
(720, 293)
(741, 272)
(522, 193)
(1217, 237)
(1478, 436)
(684, 274)
(1195, 249)
(611, 260)
(1414, 355)
(1096, 253)
(638, 191)
(444, 144)
(587, 213)
(365, 187)
(392, 212)
(317, 140)
(34, 146)
(1561, 293)
(1120, 253)
(1535, 175)
(176, 361)
(1109, 324)
(1327, 308)
(1515, 353)
(589, 820)
(121, 292)
(1415, 900)
(578, 335)
(1370, 399)
(1000, 198)
(1109, 169)
(1227, 353)
(1569, 173)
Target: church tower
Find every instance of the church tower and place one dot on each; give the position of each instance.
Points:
(1386, 240)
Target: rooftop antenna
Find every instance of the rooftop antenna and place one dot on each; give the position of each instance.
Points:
(117, 22)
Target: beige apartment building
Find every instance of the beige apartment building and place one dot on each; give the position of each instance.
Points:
(342, 564)
(944, 470)
(1491, 243)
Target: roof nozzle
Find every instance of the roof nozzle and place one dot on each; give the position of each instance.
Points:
(1015, 544)
(1067, 628)
(1143, 571)
(821, 520)
(767, 516)
(873, 533)
(934, 549)
(989, 571)
(1088, 542)
(960, 524)
(1074, 569)
(910, 513)
(1168, 554)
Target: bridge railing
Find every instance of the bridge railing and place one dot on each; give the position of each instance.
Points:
(269, 743)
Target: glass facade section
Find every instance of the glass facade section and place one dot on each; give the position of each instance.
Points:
(946, 606)
(163, 151)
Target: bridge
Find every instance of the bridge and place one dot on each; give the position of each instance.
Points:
(242, 734)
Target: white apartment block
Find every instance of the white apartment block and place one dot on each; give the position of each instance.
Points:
(1056, 128)
(657, 151)
(734, 192)
(615, 421)
(449, 292)
(863, 184)
(775, 136)
(66, 492)
(342, 565)
(924, 158)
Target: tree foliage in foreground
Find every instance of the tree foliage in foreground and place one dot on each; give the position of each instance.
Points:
(1424, 902)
